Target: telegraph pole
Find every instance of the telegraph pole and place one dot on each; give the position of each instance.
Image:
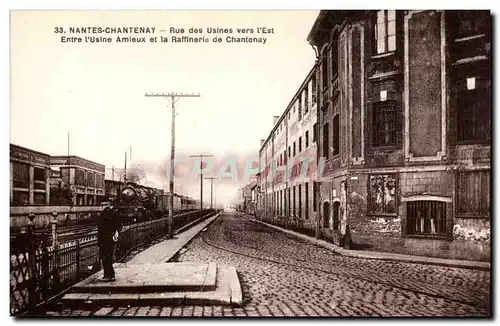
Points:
(201, 156)
(172, 98)
(211, 191)
(125, 174)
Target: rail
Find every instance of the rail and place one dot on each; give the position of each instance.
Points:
(42, 266)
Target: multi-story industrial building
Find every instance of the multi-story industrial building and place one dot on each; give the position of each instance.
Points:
(84, 178)
(29, 177)
(288, 161)
(403, 136)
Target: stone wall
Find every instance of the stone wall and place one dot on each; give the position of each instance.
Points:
(43, 215)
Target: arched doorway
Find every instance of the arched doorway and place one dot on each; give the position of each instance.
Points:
(336, 215)
(326, 214)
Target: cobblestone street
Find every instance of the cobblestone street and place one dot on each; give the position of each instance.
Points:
(284, 276)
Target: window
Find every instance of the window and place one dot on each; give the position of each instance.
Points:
(315, 130)
(99, 181)
(289, 152)
(306, 99)
(79, 177)
(39, 178)
(324, 70)
(473, 194)
(39, 198)
(20, 198)
(315, 185)
(336, 135)
(326, 214)
(335, 65)
(426, 217)
(385, 31)
(300, 144)
(284, 157)
(384, 123)
(307, 138)
(471, 23)
(299, 105)
(289, 201)
(382, 194)
(293, 210)
(281, 202)
(336, 215)
(326, 141)
(313, 89)
(300, 202)
(294, 151)
(473, 110)
(306, 189)
(20, 175)
(39, 174)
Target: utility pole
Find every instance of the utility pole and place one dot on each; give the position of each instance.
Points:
(125, 172)
(172, 98)
(201, 156)
(211, 191)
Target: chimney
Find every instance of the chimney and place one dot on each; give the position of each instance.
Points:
(262, 142)
(275, 119)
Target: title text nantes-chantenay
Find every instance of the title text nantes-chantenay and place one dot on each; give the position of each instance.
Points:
(135, 35)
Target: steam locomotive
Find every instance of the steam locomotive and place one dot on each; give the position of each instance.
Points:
(137, 203)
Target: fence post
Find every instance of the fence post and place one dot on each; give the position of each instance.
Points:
(77, 260)
(32, 297)
(45, 275)
(55, 252)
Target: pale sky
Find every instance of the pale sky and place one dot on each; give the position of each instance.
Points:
(96, 91)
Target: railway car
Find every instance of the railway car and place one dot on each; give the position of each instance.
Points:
(137, 202)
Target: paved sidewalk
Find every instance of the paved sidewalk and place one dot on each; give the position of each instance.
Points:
(165, 250)
(383, 255)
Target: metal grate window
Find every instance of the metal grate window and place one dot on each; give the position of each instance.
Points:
(384, 124)
(426, 217)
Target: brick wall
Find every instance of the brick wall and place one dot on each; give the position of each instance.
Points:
(437, 183)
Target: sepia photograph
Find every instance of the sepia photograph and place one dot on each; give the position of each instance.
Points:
(250, 163)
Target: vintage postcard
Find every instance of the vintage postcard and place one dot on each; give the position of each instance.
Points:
(244, 163)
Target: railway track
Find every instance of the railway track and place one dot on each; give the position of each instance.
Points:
(72, 232)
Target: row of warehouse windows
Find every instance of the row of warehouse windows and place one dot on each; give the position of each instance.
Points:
(301, 144)
(472, 98)
(424, 217)
(305, 101)
(89, 179)
(20, 176)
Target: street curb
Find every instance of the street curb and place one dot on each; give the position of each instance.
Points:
(384, 256)
(168, 258)
(190, 224)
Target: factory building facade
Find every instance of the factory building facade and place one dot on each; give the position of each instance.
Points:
(403, 131)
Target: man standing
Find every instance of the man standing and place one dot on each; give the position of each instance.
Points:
(108, 229)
